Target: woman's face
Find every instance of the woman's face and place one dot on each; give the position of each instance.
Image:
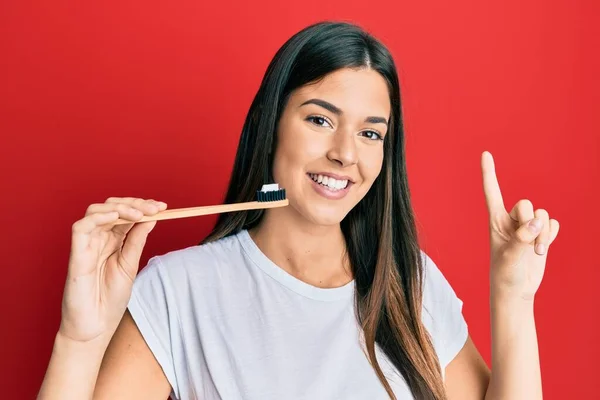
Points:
(330, 143)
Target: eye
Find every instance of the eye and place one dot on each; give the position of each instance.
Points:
(318, 120)
(372, 135)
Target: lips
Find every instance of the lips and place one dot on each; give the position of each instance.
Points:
(329, 192)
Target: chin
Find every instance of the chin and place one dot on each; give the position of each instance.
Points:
(326, 220)
(324, 215)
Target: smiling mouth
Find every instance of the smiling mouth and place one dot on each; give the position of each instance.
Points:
(328, 182)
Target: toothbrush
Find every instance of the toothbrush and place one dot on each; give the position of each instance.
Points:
(270, 196)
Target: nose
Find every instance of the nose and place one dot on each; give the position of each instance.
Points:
(343, 149)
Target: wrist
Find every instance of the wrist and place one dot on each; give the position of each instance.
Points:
(510, 314)
(66, 344)
(511, 305)
(510, 296)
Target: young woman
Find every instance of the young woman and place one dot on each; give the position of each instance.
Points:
(330, 297)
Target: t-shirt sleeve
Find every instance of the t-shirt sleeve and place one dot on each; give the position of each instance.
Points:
(152, 306)
(443, 307)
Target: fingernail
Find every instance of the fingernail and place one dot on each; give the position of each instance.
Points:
(540, 248)
(535, 224)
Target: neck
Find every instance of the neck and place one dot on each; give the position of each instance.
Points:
(312, 253)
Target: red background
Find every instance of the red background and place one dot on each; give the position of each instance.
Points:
(147, 99)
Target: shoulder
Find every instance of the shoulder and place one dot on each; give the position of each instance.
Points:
(436, 288)
(189, 275)
(174, 291)
(212, 252)
(194, 261)
(442, 312)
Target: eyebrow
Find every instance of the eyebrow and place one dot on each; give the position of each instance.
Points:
(337, 111)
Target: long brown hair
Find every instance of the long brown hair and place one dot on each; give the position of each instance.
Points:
(380, 232)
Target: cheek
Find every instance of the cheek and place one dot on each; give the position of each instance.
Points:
(296, 148)
(371, 163)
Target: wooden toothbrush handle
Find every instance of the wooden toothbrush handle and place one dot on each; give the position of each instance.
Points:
(206, 210)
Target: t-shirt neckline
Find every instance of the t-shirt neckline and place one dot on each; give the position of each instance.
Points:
(286, 279)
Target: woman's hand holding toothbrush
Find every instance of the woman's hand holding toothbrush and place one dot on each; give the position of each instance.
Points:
(103, 263)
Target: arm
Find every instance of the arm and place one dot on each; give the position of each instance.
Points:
(467, 375)
(515, 361)
(129, 369)
(98, 345)
(73, 369)
(122, 368)
(516, 271)
(517, 264)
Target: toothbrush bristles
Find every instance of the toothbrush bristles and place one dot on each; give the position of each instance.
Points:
(272, 195)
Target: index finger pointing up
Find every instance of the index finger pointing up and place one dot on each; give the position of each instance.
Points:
(491, 188)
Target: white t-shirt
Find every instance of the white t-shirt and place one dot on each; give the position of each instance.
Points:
(225, 322)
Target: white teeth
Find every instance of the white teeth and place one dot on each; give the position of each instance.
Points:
(331, 183)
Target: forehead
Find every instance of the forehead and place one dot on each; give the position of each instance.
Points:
(355, 91)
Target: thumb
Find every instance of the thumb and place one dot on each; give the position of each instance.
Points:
(527, 233)
(134, 245)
